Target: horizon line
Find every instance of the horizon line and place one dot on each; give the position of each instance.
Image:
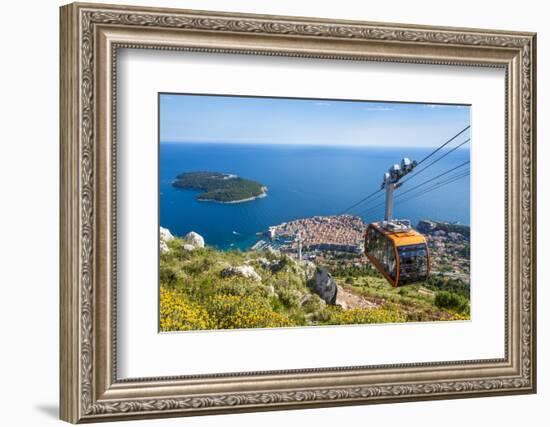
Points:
(175, 142)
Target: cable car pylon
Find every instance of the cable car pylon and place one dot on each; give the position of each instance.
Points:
(398, 251)
(391, 182)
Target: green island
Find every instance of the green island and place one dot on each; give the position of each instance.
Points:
(220, 187)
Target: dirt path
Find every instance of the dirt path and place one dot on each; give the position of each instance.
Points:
(348, 299)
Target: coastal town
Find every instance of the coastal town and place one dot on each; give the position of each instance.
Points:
(319, 236)
(449, 246)
(342, 233)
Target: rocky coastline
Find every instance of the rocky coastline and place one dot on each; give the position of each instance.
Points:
(248, 199)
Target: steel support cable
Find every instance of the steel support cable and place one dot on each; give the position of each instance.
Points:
(435, 187)
(377, 197)
(364, 199)
(360, 202)
(426, 167)
(435, 161)
(417, 186)
(443, 145)
(434, 178)
(421, 193)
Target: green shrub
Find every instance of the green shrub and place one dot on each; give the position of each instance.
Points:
(237, 288)
(291, 298)
(313, 303)
(452, 301)
(198, 265)
(403, 292)
(169, 275)
(283, 262)
(437, 282)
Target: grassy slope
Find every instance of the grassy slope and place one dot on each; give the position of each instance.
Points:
(194, 295)
(416, 301)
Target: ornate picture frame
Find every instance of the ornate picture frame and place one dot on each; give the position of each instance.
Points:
(90, 37)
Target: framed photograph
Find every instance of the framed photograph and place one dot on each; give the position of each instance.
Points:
(266, 212)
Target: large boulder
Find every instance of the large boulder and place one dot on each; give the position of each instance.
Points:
(164, 237)
(165, 234)
(324, 285)
(245, 271)
(194, 239)
(163, 247)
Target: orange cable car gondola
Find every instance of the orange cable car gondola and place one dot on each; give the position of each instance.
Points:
(398, 251)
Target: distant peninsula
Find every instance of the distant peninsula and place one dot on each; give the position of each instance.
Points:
(220, 187)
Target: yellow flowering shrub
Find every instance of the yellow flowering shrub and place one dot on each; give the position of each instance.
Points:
(179, 314)
(235, 312)
(459, 316)
(365, 315)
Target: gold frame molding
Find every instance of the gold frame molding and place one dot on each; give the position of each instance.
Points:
(90, 37)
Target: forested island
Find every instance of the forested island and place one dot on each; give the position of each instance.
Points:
(220, 187)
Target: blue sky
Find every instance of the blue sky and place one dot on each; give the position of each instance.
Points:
(232, 119)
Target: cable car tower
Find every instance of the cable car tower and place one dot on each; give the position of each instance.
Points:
(299, 239)
(398, 251)
(391, 182)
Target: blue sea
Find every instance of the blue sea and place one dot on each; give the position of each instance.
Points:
(302, 181)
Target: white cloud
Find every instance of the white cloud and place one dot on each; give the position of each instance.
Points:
(379, 108)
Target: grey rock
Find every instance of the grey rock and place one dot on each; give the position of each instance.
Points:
(245, 271)
(324, 285)
(165, 235)
(194, 239)
(163, 247)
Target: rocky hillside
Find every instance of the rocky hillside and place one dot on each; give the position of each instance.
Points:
(204, 288)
